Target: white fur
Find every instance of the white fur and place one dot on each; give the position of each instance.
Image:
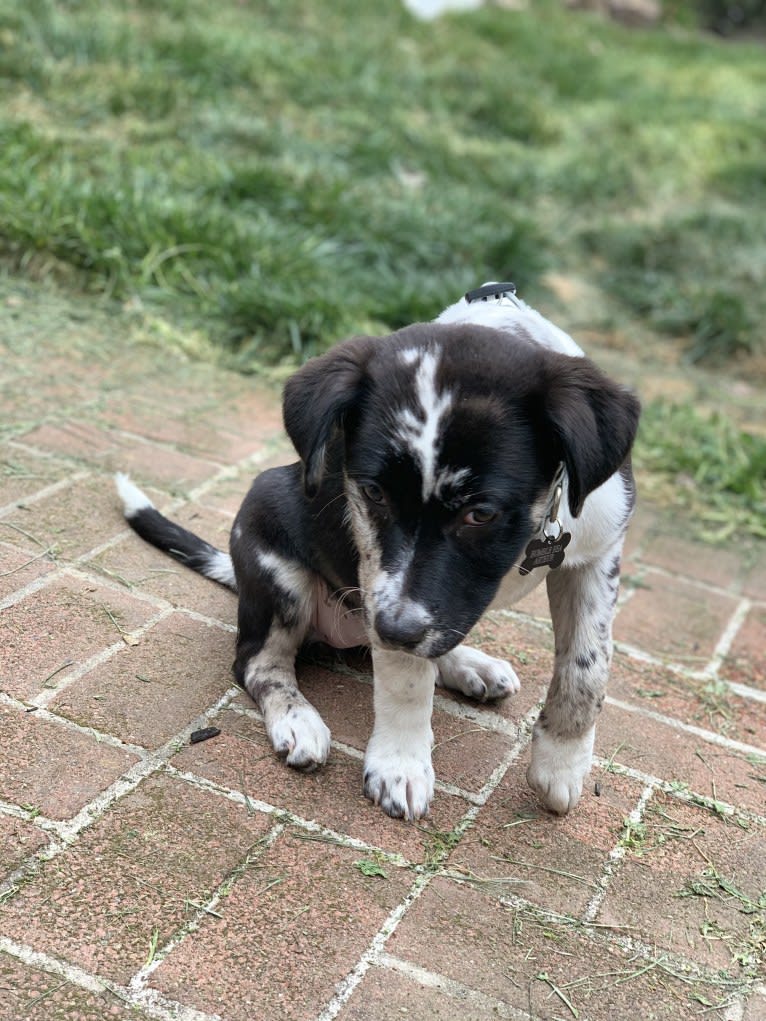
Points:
(133, 498)
(220, 568)
(397, 764)
(295, 728)
(476, 674)
(422, 437)
(511, 314)
(559, 767)
(449, 478)
(294, 579)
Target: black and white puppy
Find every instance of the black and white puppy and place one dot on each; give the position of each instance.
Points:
(433, 462)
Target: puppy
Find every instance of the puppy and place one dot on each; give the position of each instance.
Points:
(433, 463)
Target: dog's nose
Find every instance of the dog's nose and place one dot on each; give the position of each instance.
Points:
(402, 627)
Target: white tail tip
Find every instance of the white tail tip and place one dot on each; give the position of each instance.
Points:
(133, 499)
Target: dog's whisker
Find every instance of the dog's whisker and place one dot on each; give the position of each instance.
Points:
(422, 453)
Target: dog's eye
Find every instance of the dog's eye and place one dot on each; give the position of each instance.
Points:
(479, 516)
(374, 493)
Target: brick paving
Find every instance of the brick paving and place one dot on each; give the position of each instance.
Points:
(144, 877)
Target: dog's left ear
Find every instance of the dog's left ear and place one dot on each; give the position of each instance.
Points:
(317, 399)
(595, 421)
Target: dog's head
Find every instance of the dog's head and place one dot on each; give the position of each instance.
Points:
(449, 438)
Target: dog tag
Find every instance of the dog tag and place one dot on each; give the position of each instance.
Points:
(545, 552)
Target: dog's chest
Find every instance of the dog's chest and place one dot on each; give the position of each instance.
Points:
(337, 619)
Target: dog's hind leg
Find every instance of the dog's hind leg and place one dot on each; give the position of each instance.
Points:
(582, 601)
(272, 626)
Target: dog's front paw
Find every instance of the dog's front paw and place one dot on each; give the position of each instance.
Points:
(476, 674)
(300, 737)
(558, 768)
(402, 783)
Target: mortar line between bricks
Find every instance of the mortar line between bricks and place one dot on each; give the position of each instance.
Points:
(374, 952)
(249, 461)
(309, 825)
(704, 586)
(641, 656)
(688, 797)
(726, 640)
(156, 1006)
(688, 728)
(68, 831)
(617, 855)
(541, 623)
(139, 982)
(29, 589)
(678, 964)
(454, 990)
(347, 985)
(147, 597)
(46, 491)
(100, 736)
(167, 446)
(45, 697)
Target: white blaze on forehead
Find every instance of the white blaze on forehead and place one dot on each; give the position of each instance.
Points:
(421, 433)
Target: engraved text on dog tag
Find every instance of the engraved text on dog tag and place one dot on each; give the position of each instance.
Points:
(545, 552)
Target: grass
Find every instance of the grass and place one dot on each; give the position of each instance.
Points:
(255, 182)
(712, 471)
(286, 174)
(747, 948)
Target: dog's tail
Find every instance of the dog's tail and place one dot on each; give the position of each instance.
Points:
(186, 547)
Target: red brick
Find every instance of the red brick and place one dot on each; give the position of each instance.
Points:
(147, 692)
(678, 850)
(295, 924)
(228, 493)
(110, 451)
(679, 555)
(385, 995)
(465, 754)
(702, 702)
(138, 565)
(674, 755)
(642, 528)
(518, 957)
(755, 576)
(71, 521)
(22, 473)
(39, 996)
(19, 567)
(126, 883)
(528, 648)
(179, 425)
(520, 849)
(674, 619)
(48, 633)
(53, 768)
(755, 1008)
(18, 839)
(241, 758)
(746, 660)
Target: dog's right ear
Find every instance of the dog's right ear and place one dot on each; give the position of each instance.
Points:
(317, 399)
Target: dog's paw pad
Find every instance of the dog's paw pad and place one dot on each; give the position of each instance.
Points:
(301, 738)
(402, 785)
